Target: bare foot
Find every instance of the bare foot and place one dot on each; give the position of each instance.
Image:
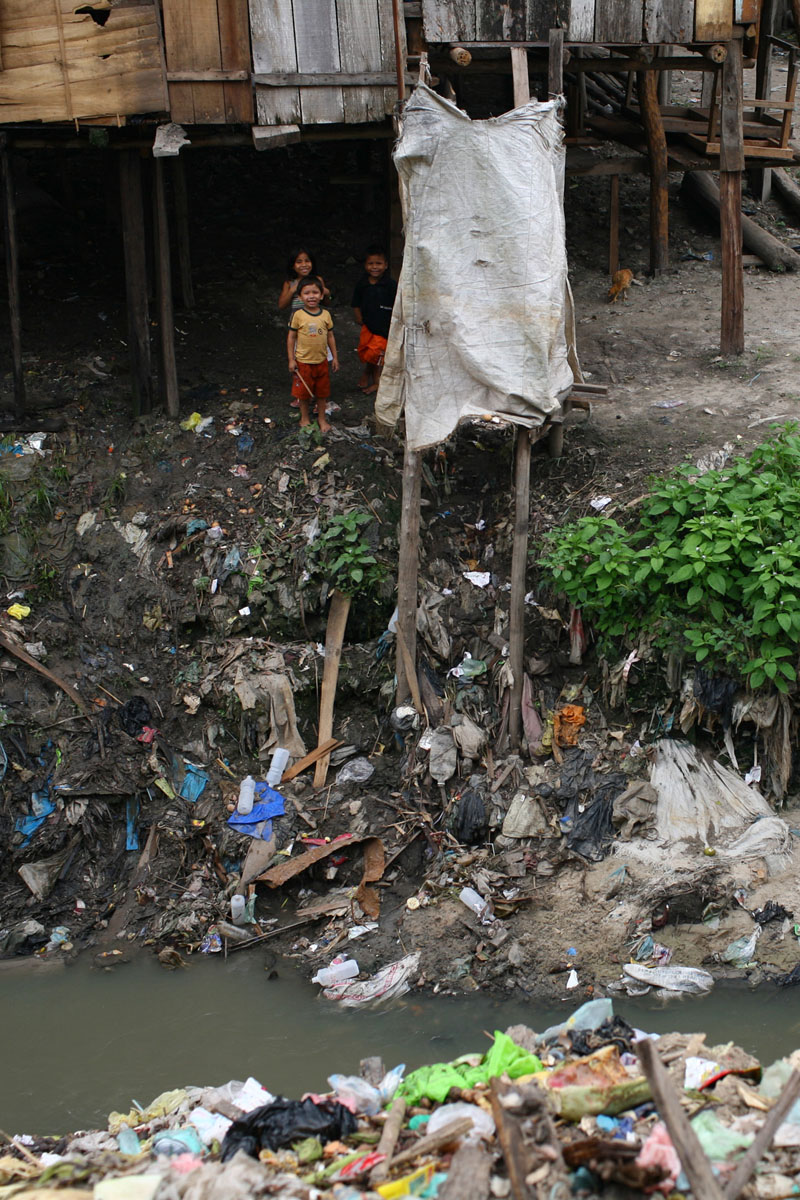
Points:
(364, 380)
(373, 387)
(324, 426)
(304, 424)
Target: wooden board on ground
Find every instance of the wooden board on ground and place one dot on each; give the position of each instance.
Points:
(334, 638)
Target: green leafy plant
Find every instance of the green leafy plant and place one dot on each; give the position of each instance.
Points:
(344, 556)
(711, 568)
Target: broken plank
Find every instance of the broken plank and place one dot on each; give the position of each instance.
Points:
(309, 759)
(434, 1141)
(334, 638)
(276, 876)
(468, 1177)
(388, 1141)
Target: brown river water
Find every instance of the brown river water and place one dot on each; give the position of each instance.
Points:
(79, 1042)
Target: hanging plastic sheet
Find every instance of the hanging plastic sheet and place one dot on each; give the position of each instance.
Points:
(479, 321)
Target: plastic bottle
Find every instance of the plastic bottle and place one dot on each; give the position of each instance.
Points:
(247, 791)
(237, 909)
(337, 972)
(475, 902)
(276, 768)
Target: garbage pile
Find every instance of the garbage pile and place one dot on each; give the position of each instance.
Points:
(590, 1107)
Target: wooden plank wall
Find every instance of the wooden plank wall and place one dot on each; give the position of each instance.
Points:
(59, 65)
(354, 37)
(624, 22)
(202, 36)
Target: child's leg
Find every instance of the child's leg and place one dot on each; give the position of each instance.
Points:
(305, 405)
(374, 376)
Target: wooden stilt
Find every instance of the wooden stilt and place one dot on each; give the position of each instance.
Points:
(407, 568)
(657, 149)
(12, 276)
(166, 323)
(135, 252)
(665, 77)
(760, 178)
(395, 216)
(555, 438)
(522, 463)
(731, 163)
(182, 231)
(613, 225)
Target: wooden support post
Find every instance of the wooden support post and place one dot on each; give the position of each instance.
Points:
(665, 77)
(760, 178)
(555, 438)
(166, 321)
(334, 639)
(182, 231)
(731, 165)
(407, 568)
(657, 150)
(613, 225)
(135, 253)
(394, 215)
(12, 276)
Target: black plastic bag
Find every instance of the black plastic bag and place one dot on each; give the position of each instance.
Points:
(592, 830)
(771, 912)
(287, 1121)
(134, 715)
(469, 823)
(613, 1032)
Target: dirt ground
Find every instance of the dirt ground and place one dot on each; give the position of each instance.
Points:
(100, 537)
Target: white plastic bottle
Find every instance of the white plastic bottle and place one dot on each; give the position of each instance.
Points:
(237, 909)
(475, 902)
(276, 768)
(247, 791)
(337, 972)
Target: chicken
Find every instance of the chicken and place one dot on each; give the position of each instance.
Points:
(620, 282)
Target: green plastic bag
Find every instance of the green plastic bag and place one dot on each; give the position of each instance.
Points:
(434, 1082)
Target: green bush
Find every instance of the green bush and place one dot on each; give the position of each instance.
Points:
(710, 568)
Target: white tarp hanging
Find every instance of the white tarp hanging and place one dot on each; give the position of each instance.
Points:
(479, 321)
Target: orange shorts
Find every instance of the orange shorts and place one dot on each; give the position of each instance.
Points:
(371, 347)
(318, 378)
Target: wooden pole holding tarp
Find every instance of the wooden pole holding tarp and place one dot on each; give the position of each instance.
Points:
(555, 88)
(407, 570)
(134, 250)
(12, 276)
(731, 165)
(168, 370)
(522, 496)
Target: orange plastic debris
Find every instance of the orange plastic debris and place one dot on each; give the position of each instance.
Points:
(567, 723)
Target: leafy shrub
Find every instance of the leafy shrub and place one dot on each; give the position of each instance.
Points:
(711, 567)
(344, 556)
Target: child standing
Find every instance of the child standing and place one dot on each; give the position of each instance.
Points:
(373, 300)
(301, 265)
(310, 338)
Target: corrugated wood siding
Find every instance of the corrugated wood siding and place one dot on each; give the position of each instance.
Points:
(206, 35)
(58, 65)
(353, 37)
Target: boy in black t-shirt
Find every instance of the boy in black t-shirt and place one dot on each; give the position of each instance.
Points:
(373, 300)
